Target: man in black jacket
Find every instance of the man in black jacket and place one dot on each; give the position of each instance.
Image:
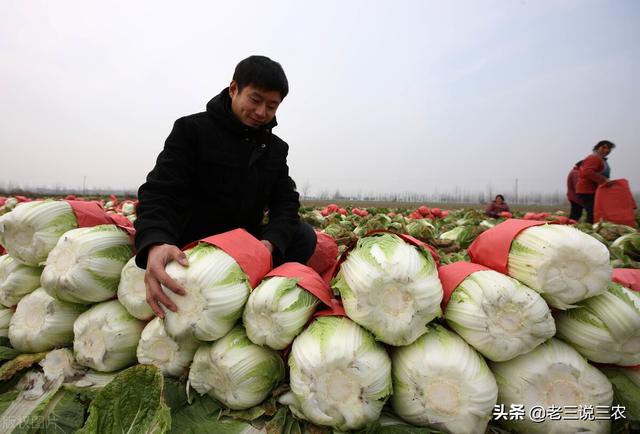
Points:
(220, 170)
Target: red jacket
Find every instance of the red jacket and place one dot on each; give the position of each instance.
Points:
(494, 209)
(590, 175)
(572, 180)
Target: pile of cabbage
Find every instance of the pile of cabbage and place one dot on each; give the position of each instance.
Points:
(80, 349)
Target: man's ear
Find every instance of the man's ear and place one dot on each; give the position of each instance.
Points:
(233, 89)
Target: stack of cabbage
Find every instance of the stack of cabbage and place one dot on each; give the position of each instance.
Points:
(392, 350)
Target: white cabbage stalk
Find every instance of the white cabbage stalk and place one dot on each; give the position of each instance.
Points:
(85, 265)
(553, 374)
(106, 337)
(235, 371)
(276, 312)
(217, 290)
(132, 291)
(562, 263)
(32, 229)
(441, 382)
(499, 316)
(42, 323)
(5, 318)
(157, 348)
(390, 288)
(606, 328)
(16, 280)
(339, 375)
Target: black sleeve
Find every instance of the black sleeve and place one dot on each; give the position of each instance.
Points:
(283, 207)
(164, 198)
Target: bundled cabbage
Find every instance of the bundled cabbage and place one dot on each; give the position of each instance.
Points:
(499, 316)
(276, 312)
(235, 371)
(339, 375)
(132, 291)
(217, 290)
(32, 229)
(85, 266)
(157, 348)
(441, 382)
(106, 337)
(626, 388)
(391, 288)
(16, 280)
(605, 328)
(563, 264)
(42, 323)
(552, 375)
(5, 318)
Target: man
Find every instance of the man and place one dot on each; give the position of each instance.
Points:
(572, 196)
(220, 170)
(594, 172)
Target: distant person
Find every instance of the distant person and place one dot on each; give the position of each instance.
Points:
(572, 196)
(594, 171)
(497, 206)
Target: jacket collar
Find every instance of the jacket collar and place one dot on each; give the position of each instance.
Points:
(220, 109)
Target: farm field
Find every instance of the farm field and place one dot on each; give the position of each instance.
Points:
(410, 326)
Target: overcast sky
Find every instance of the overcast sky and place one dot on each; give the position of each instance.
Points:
(385, 96)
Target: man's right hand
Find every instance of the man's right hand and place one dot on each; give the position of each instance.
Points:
(156, 276)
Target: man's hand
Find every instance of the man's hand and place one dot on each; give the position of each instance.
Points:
(155, 276)
(268, 245)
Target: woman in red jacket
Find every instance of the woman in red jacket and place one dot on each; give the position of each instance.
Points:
(594, 172)
(497, 206)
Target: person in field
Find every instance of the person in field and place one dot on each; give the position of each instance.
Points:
(594, 171)
(497, 206)
(572, 196)
(222, 169)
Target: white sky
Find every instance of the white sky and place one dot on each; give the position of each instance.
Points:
(386, 96)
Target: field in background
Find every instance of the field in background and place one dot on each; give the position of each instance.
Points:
(442, 205)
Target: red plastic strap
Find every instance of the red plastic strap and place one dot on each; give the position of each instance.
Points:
(325, 258)
(452, 275)
(250, 254)
(336, 309)
(491, 248)
(89, 213)
(308, 279)
(627, 277)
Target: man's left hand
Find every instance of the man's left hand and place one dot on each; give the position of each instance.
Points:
(268, 245)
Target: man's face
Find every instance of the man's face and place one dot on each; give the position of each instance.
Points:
(254, 107)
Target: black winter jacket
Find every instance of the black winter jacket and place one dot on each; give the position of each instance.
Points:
(216, 174)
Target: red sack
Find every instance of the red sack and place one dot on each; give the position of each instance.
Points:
(452, 275)
(91, 214)
(308, 279)
(615, 203)
(627, 277)
(325, 258)
(252, 256)
(491, 248)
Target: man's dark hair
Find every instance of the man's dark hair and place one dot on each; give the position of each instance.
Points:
(263, 73)
(602, 143)
(500, 196)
